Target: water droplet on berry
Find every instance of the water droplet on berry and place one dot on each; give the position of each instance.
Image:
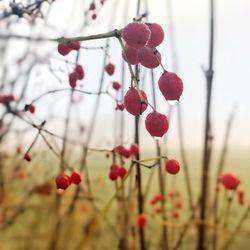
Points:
(173, 103)
(157, 138)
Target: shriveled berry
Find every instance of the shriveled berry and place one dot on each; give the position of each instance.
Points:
(74, 45)
(92, 6)
(122, 171)
(149, 57)
(157, 35)
(27, 157)
(136, 34)
(32, 108)
(171, 86)
(116, 85)
(130, 55)
(229, 181)
(241, 197)
(119, 106)
(172, 166)
(63, 49)
(75, 178)
(62, 182)
(73, 77)
(134, 149)
(110, 69)
(132, 102)
(141, 220)
(156, 124)
(80, 72)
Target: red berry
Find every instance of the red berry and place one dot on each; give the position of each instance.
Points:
(134, 149)
(157, 35)
(62, 182)
(136, 34)
(172, 166)
(122, 171)
(73, 77)
(119, 106)
(116, 85)
(149, 57)
(122, 151)
(63, 49)
(19, 150)
(241, 197)
(158, 210)
(179, 205)
(94, 16)
(69, 179)
(75, 178)
(80, 72)
(10, 98)
(141, 220)
(230, 181)
(176, 214)
(92, 6)
(171, 86)
(130, 55)
(74, 45)
(110, 68)
(156, 124)
(32, 108)
(217, 188)
(132, 102)
(114, 172)
(27, 157)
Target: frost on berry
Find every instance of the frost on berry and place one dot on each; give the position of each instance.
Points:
(156, 124)
(63, 49)
(116, 85)
(229, 181)
(141, 220)
(73, 77)
(134, 149)
(74, 45)
(80, 72)
(130, 54)
(110, 69)
(171, 86)
(172, 166)
(157, 35)
(62, 182)
(136, 34)
(149, 57)
(133, 103)
(75, 178)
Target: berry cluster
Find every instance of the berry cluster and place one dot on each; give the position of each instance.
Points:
(127, 152)
(117, 171)
(141, 40)
(6, 99)
(63, 181)
(65, 48)
(77, 74)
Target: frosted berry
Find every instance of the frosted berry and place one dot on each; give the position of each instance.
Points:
(27, 157)
(134, 149)
(116, 85)
(122, 171)
(136, 34)
(62, 182)
(119, 106)
(156, 124)
(171, 86)
(229, 181)
(132, 102)
(130, 55)
(149, 57)
(63, 49)
(75, 178)
(172, 166)
(73, 77)
(92, 6)
(141, 220)
(157, 35)
(32, 108)
(74, 45)
(110, 69)
(80, 72)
